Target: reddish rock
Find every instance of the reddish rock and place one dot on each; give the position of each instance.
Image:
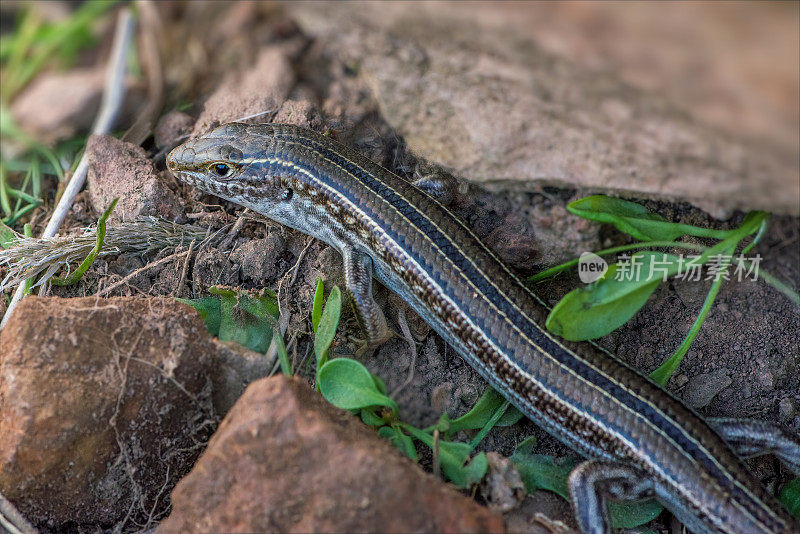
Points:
(301, 113)
(104, 405)
(57, 105)
(284, 460)
(479, 96)
(120, 169)
(262, 87)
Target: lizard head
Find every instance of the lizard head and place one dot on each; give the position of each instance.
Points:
(253, 166)
(230, 162)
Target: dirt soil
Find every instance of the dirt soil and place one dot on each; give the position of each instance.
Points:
(744, 363)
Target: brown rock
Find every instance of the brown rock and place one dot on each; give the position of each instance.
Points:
(704, 387)
(285, 460)
(489, 102)
(262, 87)
(57, 105)
(300, 113)
(103, 403)
(120, 169)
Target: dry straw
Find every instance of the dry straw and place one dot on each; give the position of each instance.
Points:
(43, 257)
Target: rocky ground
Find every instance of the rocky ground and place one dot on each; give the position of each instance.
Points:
(107, 402)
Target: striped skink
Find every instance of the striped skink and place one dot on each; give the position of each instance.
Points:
(639, 440)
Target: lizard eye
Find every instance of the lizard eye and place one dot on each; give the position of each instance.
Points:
(221, 169)
(287, 194)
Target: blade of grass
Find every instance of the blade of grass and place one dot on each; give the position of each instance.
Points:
(666, 369)
(18, 215)
(21, 195)
(84, 266)
(25, 182)
(283, 356)
(4, 203)
(489, 424)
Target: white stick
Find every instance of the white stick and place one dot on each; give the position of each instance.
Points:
(109, 108)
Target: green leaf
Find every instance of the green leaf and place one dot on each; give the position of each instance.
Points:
(595, 310)
(8, 237)
(790, 496)
(316, 310)
(78, 273)
(4, 202)
(283, 356)
(634, 513)
(210, 311)
(400, 440)
(540, 471)
(482, 412)
(370, 418)
(635, 220)
(474, 471)
(628, 217)
(328, 322)
(247, 320)
(239, 316)
(348, 384)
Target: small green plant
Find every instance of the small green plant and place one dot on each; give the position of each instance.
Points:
(598, 308)
(36, 44)
(346, 383)
(29, 167)
(248, 319)
(78, 273)
(9, 239)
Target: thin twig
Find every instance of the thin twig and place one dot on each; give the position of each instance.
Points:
(179, 289)
(296, 267)
(12, 520)
(112, 101)
(283, 316)
(149, 29)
